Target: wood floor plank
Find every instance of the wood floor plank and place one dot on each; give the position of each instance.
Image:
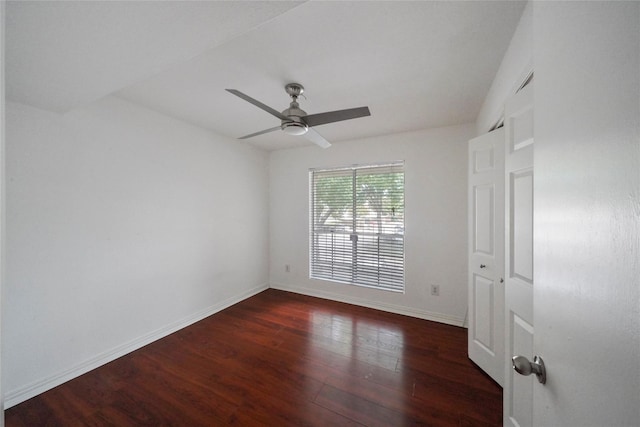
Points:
(365, 411)
(282, 359)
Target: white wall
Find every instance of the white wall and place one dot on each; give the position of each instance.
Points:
(514, 68)
(122, 226)
(435, 223)
(587, 212)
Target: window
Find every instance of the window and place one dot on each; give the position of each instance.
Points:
(357, 225)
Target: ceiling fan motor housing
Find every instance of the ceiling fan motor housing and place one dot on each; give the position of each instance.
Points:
(294, 125)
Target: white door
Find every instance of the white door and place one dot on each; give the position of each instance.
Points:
(587, 213)
(486, 253)
(519, 331)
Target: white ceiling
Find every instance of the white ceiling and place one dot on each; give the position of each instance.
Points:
(415, 64)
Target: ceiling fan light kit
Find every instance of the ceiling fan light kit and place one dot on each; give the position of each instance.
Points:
(294, 128)
(295, 121)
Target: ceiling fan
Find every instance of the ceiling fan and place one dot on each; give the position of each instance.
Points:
(295, 121)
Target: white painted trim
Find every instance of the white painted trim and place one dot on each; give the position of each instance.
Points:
(2, 182)
(20, 395)
(391, 308)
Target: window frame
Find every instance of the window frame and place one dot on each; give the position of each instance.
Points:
(366, 269)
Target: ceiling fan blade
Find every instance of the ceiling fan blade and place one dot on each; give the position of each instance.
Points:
(336, 116)
(260, 133)
(258, 104)
(316, 138)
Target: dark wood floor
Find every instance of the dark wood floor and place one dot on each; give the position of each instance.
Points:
(280, 359)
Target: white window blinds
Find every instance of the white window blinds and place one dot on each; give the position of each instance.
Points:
(357, 225)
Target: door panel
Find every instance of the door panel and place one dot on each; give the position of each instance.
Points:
(486, 253)
(521, 231)
(485, 219)
(483, 158)
(484, 313)
(519, 331)
(520, 127)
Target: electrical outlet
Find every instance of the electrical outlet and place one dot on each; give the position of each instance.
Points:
(287, 268)
(435, 290)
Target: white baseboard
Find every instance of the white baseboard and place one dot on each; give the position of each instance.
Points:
(391, 308)
(30, 390)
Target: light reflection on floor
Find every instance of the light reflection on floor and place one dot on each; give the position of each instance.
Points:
(360, 355)
(378, 345)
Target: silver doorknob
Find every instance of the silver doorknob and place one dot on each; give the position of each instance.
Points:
(522, 366)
